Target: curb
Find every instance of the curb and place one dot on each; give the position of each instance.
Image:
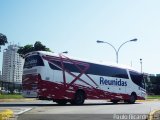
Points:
(154, 115)
(6, 114)
(16, 100)
(148, 100)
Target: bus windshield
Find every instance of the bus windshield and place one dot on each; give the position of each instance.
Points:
(137, 78)
(32, 61)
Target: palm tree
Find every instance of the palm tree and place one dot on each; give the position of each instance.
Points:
(3, 40)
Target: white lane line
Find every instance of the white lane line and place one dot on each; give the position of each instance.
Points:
(22, 110)
(16, 110)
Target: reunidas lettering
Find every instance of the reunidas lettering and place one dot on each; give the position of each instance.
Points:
(104, 81)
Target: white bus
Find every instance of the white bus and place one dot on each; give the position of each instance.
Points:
(50, 76)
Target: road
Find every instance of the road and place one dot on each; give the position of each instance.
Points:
(92, 109)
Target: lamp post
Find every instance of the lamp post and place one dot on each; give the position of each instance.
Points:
(65, 52)
(117, 50)
(141, 63)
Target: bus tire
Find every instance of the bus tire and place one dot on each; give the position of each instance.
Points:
(132, 99)
(61, 102)
(79, 98)
(114, 101)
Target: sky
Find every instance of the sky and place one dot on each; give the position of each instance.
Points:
(76, 25)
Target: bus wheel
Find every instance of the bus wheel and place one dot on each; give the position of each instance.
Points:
(61, 102)
(132, 99)
(114, 101)
(79, 98)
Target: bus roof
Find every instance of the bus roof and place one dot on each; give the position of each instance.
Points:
(83, 60)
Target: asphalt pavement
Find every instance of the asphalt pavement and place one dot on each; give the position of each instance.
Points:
(92, 109)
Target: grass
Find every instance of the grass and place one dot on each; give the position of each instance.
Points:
(11, 96)
(153, 97)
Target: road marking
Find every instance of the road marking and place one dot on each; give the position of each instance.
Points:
(16, 110)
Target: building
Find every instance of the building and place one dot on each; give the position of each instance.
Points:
(12, 67)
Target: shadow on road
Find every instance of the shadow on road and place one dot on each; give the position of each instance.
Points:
(49, 104)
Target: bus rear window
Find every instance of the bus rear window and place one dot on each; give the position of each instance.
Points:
(33, 61)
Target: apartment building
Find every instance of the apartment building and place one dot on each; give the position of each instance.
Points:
(12, 66)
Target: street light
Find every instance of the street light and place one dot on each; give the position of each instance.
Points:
(141, 63)
(65, 52)
(117, 50)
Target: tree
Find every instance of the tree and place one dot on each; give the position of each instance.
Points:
(38, 46)
(3, 40)
(154, 85)
(24, 50)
